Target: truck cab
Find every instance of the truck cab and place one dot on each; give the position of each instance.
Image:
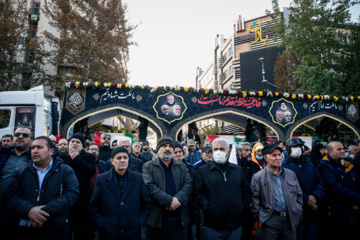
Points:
(33, 108)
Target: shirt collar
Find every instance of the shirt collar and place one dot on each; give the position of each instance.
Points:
(46, 169)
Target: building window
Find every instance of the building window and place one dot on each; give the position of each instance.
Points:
(4, 118)
(37, 9)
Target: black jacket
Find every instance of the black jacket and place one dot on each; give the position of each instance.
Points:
(222, 195)
(249, 168)
(104, 153)
(59, 191)
(84, 168)
(119, 216)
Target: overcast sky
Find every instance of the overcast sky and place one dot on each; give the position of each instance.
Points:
(176, 36)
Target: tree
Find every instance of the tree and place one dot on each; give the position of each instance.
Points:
(93, 40)
(284, 72)
(313, 34)
(22, 54)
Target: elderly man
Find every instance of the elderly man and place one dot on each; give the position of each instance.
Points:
(135, 164)
(342, 195)
(136, 150)
(7, 140)
(120, 203)
(84, 166)
(36, 216)
(170, 188)
(206, 156)
(222, 192)
(105, 149)
(276, 197)
(353, 150)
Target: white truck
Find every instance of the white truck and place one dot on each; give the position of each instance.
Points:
(32, 108)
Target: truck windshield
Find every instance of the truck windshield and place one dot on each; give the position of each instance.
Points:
(4, 118)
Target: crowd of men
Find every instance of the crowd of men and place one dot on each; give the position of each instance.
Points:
(121, 189)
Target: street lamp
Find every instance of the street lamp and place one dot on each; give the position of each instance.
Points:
(262, 60)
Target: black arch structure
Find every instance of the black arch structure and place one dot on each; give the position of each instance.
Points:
(82, 103)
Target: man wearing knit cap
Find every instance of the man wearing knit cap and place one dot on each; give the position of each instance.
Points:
(120, 199)
(83, 164)
(170, 188)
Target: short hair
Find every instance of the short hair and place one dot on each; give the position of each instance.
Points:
(114, 141)
(351, 146)
(136, 142)
(240, 146)
(162, 107)
(25, 127)
(221, 140)
(8, 135)
(93, 143)
(49, 143)
(124, 139)
(104, 135)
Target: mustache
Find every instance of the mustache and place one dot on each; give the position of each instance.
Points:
(167, 152)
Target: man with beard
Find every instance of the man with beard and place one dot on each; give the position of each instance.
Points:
(250, 168)
(170, 188)
(11, 158)
(63, 146)
(7, 140)
(105, 150)
(146, 154)
(84, 166)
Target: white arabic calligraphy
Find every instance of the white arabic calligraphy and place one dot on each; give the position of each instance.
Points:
(320, 105)
(75, 99)
(110, 95)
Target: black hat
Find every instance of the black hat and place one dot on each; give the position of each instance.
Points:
(291, 143)
(269, 148)
(164, 140)
(79, 136)
(145, 143)
(118, 150)
(206, 149)
(178, 145)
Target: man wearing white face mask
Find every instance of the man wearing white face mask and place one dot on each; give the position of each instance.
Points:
(311, 185)
(222, 192)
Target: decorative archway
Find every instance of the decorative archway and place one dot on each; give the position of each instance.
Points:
(303, 121)
(212, 113)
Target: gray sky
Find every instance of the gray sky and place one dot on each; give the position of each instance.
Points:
(176, 36)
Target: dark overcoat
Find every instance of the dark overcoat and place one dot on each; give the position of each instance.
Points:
(119, 216)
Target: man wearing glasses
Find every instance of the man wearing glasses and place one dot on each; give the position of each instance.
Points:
(105, 149)
(11, 158)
